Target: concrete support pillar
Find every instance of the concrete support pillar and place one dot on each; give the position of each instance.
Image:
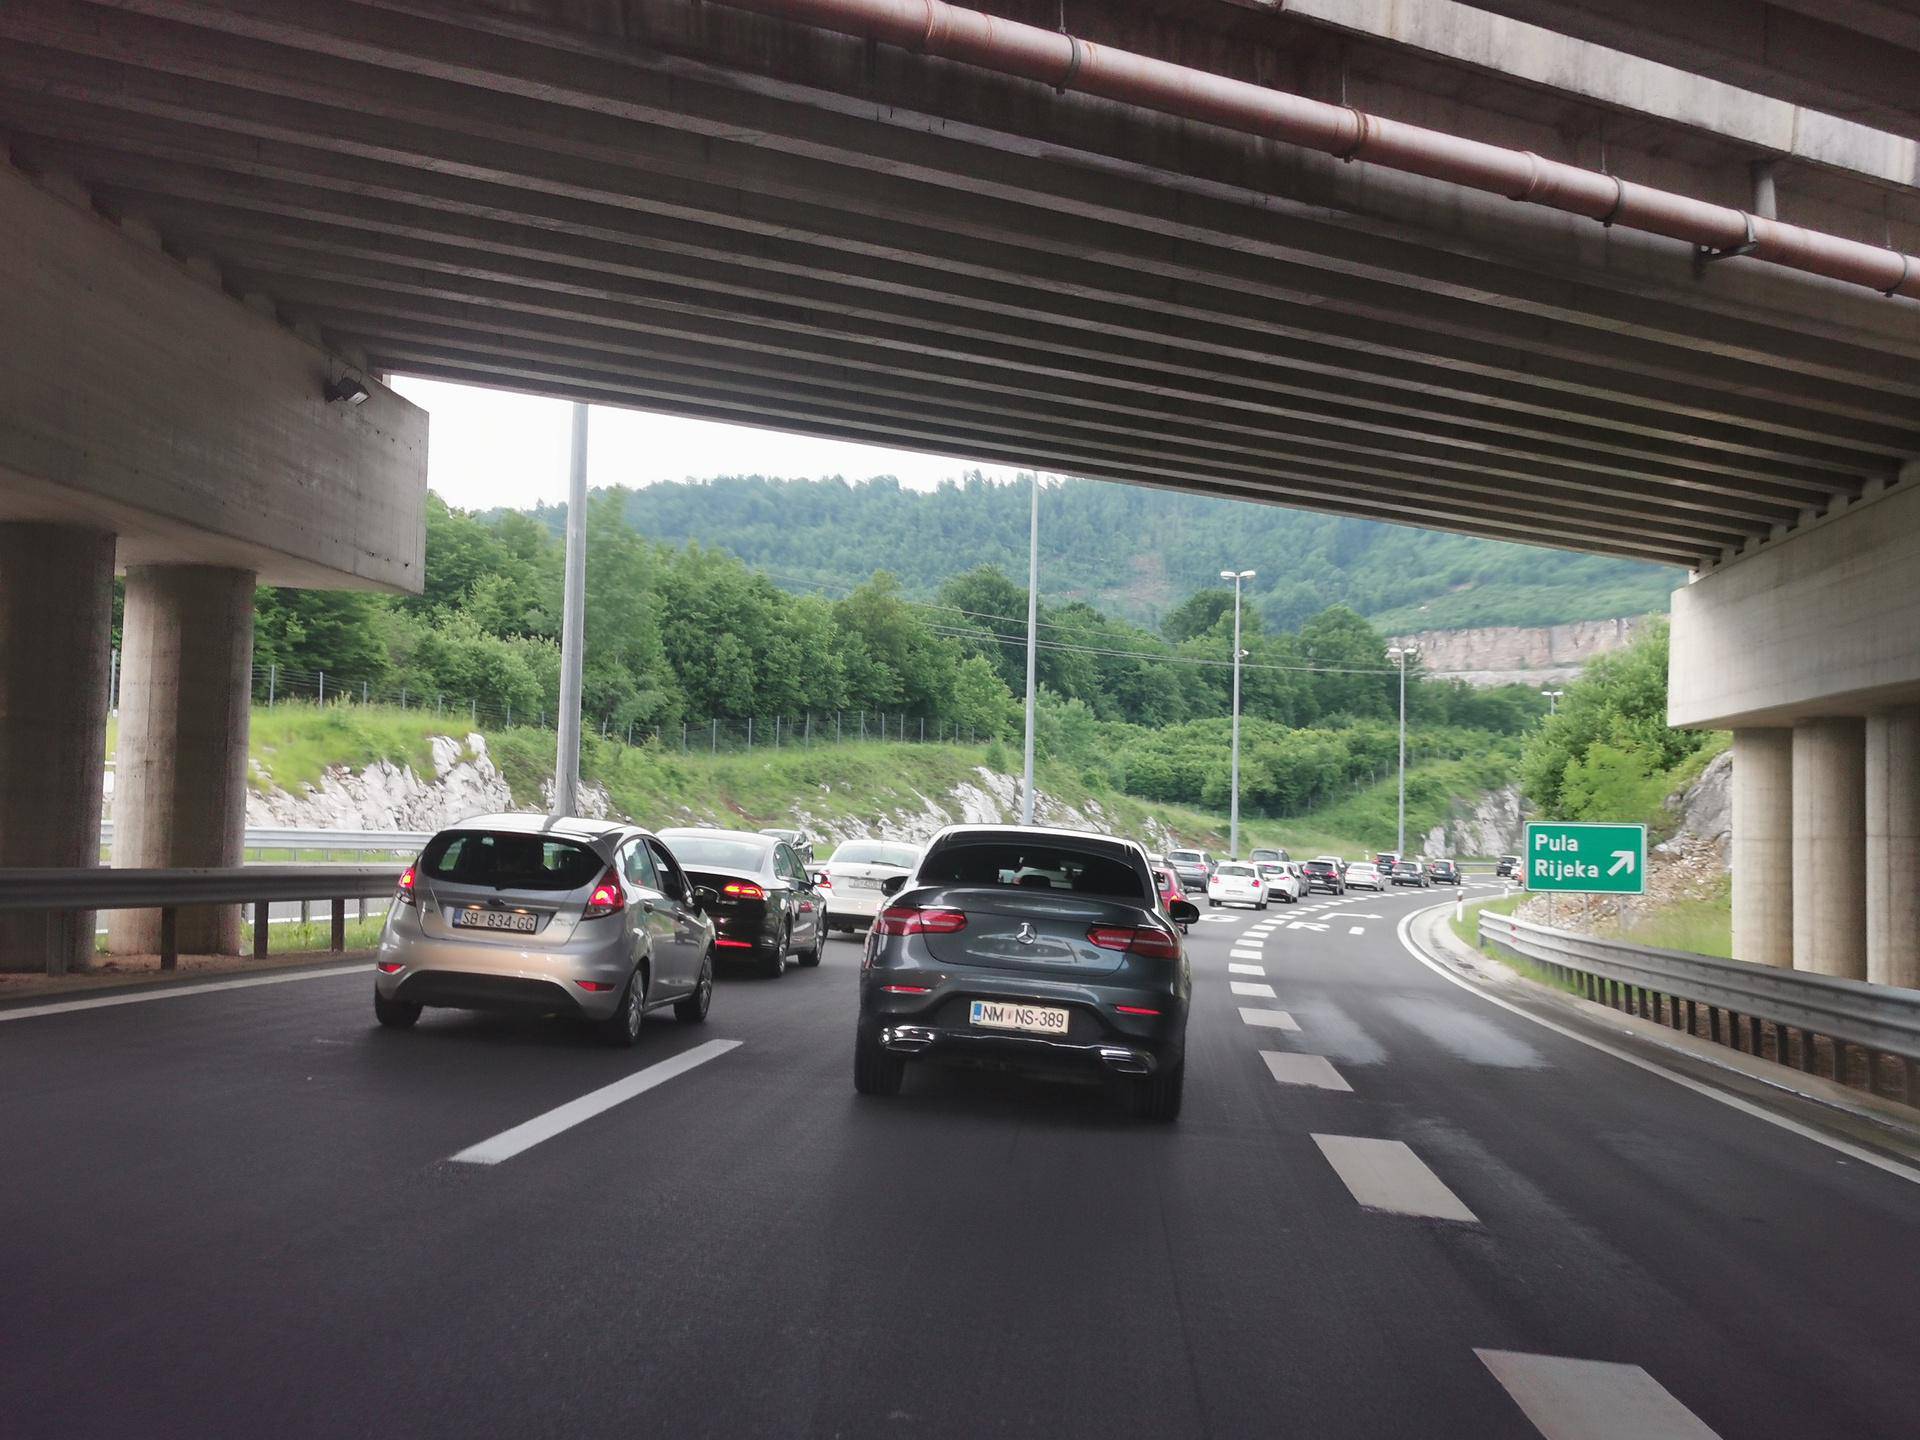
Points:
(1893, 848)
(1762, 847)
(1830, 847)
(180, 782)
(56, 626)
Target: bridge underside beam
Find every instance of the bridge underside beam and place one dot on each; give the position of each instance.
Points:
(715, 215)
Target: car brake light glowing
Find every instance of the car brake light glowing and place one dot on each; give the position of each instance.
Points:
(1134, 1010)
(403, 892)
(593, 985)
(908, 989)
(391, 967)
(732, 944)
(743, 890)
(912, 920)
(607, 897)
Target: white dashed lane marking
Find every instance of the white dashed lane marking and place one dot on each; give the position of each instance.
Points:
(1592, 1399)
(1356, 930)
(509, 1143)
(1312, 1070)
(1246, 969)
(1269, 1019)
(1386, 1175)
(1245, 953)
(1248, 987)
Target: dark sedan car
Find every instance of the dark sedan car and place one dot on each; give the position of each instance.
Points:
(766, 905)
(1326, 875)
(1029, 949)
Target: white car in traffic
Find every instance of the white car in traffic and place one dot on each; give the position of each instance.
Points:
(1235, 883)
(852, 878)
(1364, 874)
(1281, 879)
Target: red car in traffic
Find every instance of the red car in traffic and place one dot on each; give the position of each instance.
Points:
(1170, 890)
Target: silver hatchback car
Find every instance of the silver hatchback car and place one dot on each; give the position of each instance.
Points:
(588, 918)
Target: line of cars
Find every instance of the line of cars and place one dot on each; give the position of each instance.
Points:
(1269, 875)
(1006, 946)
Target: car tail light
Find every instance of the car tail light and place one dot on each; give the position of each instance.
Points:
(392, 967)
(823, 880)
(1134, 1010)
(594, 985)
(912, 920)
(1147, 941)
(743, 890)
(1256, 884)
(607, 897)
(728, 942)
(403, 892)
(908, 989)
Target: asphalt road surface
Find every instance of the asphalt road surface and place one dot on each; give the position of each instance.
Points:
(1391, 1208)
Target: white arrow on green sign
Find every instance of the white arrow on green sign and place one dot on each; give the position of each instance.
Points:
(1586, 856)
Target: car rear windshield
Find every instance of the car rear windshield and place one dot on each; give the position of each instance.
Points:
(502, 860)
(729, 852)
(1241, 870)
(1032, 867)
(1183, 854)
(877, 852)
(1319, 865)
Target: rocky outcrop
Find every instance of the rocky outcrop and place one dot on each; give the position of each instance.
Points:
(1516, 654)
(1490, 824)
(1705, 810)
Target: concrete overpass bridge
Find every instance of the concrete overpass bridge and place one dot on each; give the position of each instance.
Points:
(1283, 263)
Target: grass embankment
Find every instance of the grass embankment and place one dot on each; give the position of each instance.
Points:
(1467, 928)
(293, 745)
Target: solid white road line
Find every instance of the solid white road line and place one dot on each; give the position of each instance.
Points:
(1246, 987)
(1745, 1107)
(524, 1136)
(1313, 1070)
(1386, 1175)
(1246, 969)
(176, 992)
(1269, 1019)
(1592, 1399)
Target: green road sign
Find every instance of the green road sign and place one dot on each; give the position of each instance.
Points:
(1597, 858)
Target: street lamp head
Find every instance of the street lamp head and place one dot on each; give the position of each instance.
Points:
(1237, 574)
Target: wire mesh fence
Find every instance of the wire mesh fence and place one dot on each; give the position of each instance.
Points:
(280, 685)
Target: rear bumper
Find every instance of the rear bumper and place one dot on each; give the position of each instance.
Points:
(479, 974)
(853, 907)
(1113, 1055)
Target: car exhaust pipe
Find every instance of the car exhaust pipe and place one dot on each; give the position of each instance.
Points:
(1122, 1061)
(906, 1039)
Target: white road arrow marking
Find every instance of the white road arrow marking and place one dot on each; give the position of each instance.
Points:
(1304, 925)
(1622, 860)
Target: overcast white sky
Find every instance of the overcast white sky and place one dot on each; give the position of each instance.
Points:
(494, 447)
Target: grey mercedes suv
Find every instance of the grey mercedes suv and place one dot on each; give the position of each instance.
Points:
(1031, 949)
(592, 919)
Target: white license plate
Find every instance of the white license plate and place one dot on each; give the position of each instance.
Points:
(1037, 1019)
(495, 920)
(861, 882)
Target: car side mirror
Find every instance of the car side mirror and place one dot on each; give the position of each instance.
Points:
(705, 897)
(893, 884)
(1183, 912)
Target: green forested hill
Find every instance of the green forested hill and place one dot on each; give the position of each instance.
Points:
(1138, 552)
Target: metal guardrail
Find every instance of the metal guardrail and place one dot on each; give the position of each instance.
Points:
(105, 888)
(1880, 1020)
(325, 841)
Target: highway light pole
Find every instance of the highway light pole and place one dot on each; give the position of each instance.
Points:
(1233, 822)
(573, 615)
(1033, 616)
(1400, 655)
